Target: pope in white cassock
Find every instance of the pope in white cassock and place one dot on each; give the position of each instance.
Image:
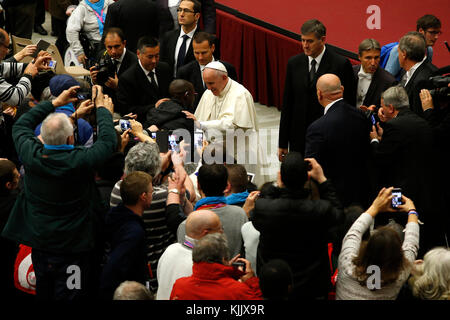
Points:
(228, 105)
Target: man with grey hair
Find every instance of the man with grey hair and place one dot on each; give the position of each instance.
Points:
(411, 56)
(371, 80)
(132, 290)
(57, 214)
(300, 105)
(342, 130)
(403, 154)
(213, 275)
(176, 261)
(145, 157)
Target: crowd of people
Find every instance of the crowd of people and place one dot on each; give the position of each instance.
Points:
(107, 192)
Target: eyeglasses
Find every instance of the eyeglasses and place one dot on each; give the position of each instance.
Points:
(179, 10)
(435, 33)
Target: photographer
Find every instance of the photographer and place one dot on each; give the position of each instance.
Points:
(213, 275)
(112, 62)
(297, 229)
(384, 249)
(60, 183)
(83, 133)
(404, 156)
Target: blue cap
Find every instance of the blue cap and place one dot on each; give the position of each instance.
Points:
(60, 83)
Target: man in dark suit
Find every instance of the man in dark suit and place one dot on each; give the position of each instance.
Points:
(168, 15)
(404, 157)
(203, 45)
(137, 18)
(371, 80)
(146, 83)
(411, 54)
(338, 141)
(121, 58)
(300, 105)
(176, 45)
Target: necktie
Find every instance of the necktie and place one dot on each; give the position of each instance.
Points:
(115, 63)
(152, 76)
(182, 52)
(312, 72)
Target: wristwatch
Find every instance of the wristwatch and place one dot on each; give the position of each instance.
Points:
(174, 191)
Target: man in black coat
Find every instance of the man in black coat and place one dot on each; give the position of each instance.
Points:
(371, 80)
(204, 47)
(117, 53)
(137, 18)
(405, 158)
(176, 45)
(297, 229)
(300, 105)
(169, 21)
(411, 52)
(338, 141)
(143, 85)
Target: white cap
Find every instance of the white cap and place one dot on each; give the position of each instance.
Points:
(216, 65)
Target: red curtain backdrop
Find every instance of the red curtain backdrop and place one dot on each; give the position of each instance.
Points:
(259, 55)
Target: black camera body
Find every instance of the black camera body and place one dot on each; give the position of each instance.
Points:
(106, 69)
(440, 86)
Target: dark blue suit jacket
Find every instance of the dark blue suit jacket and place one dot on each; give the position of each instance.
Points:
(339, 141)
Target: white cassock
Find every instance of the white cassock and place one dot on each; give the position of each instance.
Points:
(233, 109)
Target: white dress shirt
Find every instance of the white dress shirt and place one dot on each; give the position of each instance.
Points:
(180, 42)
(147, 73)
(364, 80)
(318, 59)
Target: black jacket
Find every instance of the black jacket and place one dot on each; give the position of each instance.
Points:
(169, 116)
(300, 105)
(297, 230)
(136, 18)
(137, 95)
(126, 252)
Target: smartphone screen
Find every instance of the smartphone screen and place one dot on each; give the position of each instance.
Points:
(198, 139)
(372, 117)
(250, 176)
(173, 143)
(42, 45)
(396, 197)
(124, 125)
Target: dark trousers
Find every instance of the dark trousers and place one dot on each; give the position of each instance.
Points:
(40, 13)
(63, 276)
(59, 27)
(20, 20)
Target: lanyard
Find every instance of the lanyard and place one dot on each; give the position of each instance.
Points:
(100, 17)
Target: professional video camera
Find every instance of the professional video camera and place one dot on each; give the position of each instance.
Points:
(105, 69)
(440, 86)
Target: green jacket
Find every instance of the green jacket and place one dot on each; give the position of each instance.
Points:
(59, 203)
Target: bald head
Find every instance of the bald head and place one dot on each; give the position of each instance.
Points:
(199, 223)
(329, 89)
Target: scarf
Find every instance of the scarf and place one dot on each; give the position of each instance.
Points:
(210, 202)
(237, 197)
(59, 146)
(98, 11)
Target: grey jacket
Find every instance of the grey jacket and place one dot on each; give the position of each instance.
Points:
(84, 19)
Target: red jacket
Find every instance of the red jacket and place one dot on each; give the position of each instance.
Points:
(214, 281)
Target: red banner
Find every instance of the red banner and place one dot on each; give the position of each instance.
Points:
(348, 22)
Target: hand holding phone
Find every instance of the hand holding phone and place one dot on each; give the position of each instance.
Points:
(396, 198)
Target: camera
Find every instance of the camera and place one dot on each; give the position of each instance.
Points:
(440, 86)
(396, 197)
(84, 95)
(238, 264)
(105, 68)
(124, 124)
